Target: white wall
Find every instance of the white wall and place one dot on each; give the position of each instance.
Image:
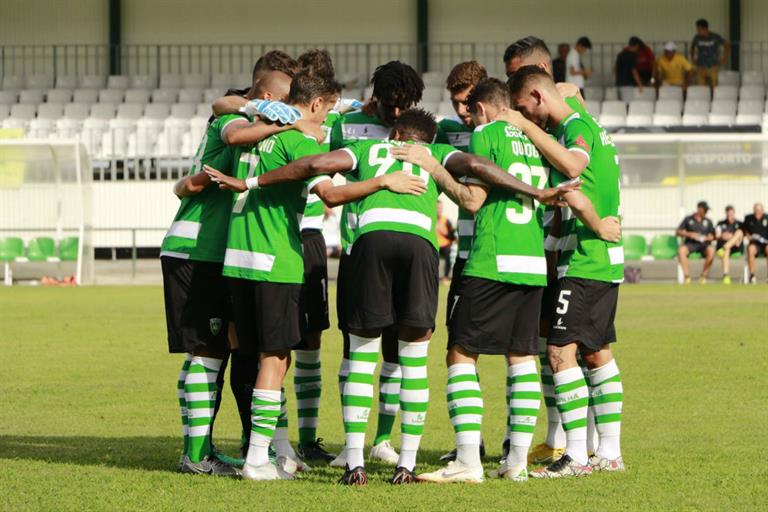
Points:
(48, 22)
(754, 20)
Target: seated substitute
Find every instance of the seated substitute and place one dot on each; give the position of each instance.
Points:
(756, 229)
(730, 239)
(698, 234)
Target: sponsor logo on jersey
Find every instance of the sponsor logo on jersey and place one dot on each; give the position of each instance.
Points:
(582, 143)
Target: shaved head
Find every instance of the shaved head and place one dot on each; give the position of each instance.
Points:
(274, 85)
(528, 51)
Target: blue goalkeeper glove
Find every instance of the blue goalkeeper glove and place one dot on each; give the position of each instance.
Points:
(274, 111)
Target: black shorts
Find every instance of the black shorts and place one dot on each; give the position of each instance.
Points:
(759, 245)
(392, 280)
(699, 247)
(738, 249)
(340, 289)
(197, 305)
(267, 315)
(458, 269)
(315, 293)
(490, 317)
(584, 312)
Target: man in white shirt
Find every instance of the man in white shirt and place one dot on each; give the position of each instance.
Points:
(575, 73)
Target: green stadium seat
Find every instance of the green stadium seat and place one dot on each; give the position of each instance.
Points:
(634, 247)
(41, 249)
(664, 247)
(11, 248)
(68, 248)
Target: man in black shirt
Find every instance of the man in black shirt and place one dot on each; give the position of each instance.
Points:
(627, 75)
(756, 229)
(729, 240)
(698, 233)
(558, 64)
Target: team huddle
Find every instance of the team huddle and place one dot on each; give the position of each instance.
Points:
(539, 264)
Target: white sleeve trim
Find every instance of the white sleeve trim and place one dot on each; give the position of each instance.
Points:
(316, 180)
(223, 128)
(448, 156)
(352, 156)
(581, 151)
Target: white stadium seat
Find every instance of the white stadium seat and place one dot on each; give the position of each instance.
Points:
(118, 82)
(647, 94)
(85, 96)
(143, 82)
(140, 96)
(749, 112)
(626, 93)
(752, 78)
(130, 111)
(203, 109)
(695, 119)
(695, 112)
(68, 128)
(698, 92)
(77, 111)
(593, 107)
(169, 142)
(211, 94)
(671, 107)
(195, 81)
(728, 77)
(197, 128)
(92, 82)
(726, 92)
(41, 128)
(13, 83)
(752, 92)
(594, 93)
(92, 134)
(170, 81)
(39, 81)
(157, 110)
(614, 108)
(611, 94)
(147, 132)
(190, 95)
(8, 97)
(748, 119)
(115, 141)
(723, 112)
(25, 112)
(103, 110)
(13, 122)
(640, 108)
(66, 82)
(613, 120)
(59, 96)
(671, 92)
(183, 110)
(111, 96)
(50, 110)
(223, 81)
(667, 120)
(5, 110)
(30, 96)
(165, 96)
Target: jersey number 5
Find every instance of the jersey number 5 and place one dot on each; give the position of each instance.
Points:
(526, 174)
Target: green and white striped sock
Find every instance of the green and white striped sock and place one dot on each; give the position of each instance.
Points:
(343, 373)
(524, 403)
(572, 397)
(280, 441)
(307, 381)
(465, 407)
(389, 401)
(593, 441)
(507, 394)
(414, 399)
(358, 395)
(183, 401)
(555, 433)
(200, 395)
(265, 411)
(607, 399)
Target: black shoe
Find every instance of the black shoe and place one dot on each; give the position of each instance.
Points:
(314, 451)
(403, 476)
(451, 455)
(208, 466)
(354, 476)
(505, 449)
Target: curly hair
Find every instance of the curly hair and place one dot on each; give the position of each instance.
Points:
(465, 75)
(397, 84)
(416, 124)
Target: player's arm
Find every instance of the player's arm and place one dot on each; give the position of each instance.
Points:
(228, 105)
(398, 182)
(570, 163)
(608, 228)
(567, 90)
(191, 185)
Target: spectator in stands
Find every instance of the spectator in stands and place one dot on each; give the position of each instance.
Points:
(673, 68)
(646, 62)
(627, 74)
(331, 233)
(756, 228)
(558, 64)
(446, 234)
(709, 51)
(575, 72)
(730, 238)
(698, 233)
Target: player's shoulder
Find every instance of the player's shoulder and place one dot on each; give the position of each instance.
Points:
(221, 121)
(358, 117)
(453, 124)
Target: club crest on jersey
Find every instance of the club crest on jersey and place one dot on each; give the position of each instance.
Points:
(582, 143)
(215, 325)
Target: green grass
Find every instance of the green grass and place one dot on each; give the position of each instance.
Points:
(89, 415)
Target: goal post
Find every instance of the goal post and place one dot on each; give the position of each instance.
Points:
(45, 209)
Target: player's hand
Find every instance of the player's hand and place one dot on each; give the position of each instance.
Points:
(311, 129)
(404, 183)
(274, 111)
(345, 105)
(610, 229)
(513, 117)
(554, 196)
(567, 89)
(225, 182)
(415, 154)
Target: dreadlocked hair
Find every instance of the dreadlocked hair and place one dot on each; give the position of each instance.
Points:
(397, 84)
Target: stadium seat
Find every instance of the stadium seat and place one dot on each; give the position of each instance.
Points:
(667, 113)
(749, 112)
(157, 110)
(59, 96)
(695, 112)
(93, 131)
(664, 247)
(147, 132)
(68, 248)
(723, 112)
(5, 111)
(15, 123)
(77, 111)
(31, 96)
(671, 92)
(11, 248)
(222, 81)
(13, 83)
(748, 119)
(594, 93)
(140, 96)
(68, 128)
(115, 141)
(667, 120)
(171, 81)
(593, 107)
(728, 77)
(42, 248)
(39, 81)
(189, 95)
(130, 111)
(8, 97)
(111, 96)
(433, 78)
(752, 78)
(752, 92)
(118, 82)
(196, 81)
(167, 96)
(698, 92)
(725, 92)
(41, 128)
(634, 247)
(611, 94)
(183, 110)
(103, 110)
(203, 110)
(66, 82)
(143, 82)
(50, 110)
(169, 143)
(211, 94)
(92, 82)
(613, 113)
(640, 113)
(24, 112)
(647, 94)
(85, 96)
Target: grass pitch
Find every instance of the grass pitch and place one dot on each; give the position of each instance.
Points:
(89, 416)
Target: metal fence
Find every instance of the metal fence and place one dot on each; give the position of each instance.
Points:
(349, 58)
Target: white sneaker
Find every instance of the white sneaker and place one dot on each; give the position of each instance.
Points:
(341, 460)
(454, 472)
(515, 473)
(266, 471)
(292, 464)
(385, 453)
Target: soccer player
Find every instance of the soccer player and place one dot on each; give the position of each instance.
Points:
(698, 233)
(756, 229)
(196, 300)
(589, 270)
(730, 240)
